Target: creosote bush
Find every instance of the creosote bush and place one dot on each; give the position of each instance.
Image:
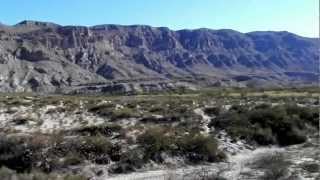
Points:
(129, 161)
(311, 167)
(199, 148)
(264, 124)
(101, 109)
(93, 146)
(102, 129)
(123, 113)
(15, 155)
(155, 141)
(275, 166)
(194, 146)
(8, 174)
(212, 111)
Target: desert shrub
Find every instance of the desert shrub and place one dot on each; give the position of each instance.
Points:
(70, 152)
(154, 141)
(130, 161)
(102, 159)
(264, 136)
(274, 173)
(157, 109)
(8, 174)
(199, 148)
(291, 137)
(20, 121)
(190, 125)
(239, 108)
(212, 111)
(263, 124)
(194, 146)
(311, 167)
(178, 108)
(115, 152)
(85, 148)
(19, 103)
(158, 120)
(263, 106)
(93, 146)
(122, 167)
(123, 113)
(11, 110)
(74, 177)
(14, 155)
(204, 174)
(275, 166)
(101, 109)
(308, 114)
(72, 159)
(56, 110)
(108, 110)
(103, 129)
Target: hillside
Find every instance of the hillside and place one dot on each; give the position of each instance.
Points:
(46, 57)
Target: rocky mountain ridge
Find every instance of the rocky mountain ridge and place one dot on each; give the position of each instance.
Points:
(50, 58)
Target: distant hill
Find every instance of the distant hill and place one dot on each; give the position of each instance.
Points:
(46, 57)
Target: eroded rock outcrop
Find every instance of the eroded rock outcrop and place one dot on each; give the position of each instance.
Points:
(41, 56)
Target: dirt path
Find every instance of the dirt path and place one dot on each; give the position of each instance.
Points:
(237, 166)
(230, 170)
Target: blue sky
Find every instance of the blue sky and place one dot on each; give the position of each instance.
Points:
(297, 16)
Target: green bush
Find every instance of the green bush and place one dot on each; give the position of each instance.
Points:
(199, 148)
(93, 146)
(101, 109)
(264, 136)
(194, 146)
(123, 113)
(263, 124)
(275, 166)
(15, 155)
(7, 174)
(103, 129)
(72, 159)
(129, 161)
(311, 167)
(155, 141)
(212, 111)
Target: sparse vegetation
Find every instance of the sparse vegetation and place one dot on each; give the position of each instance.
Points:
(311, 167)
(128, 133)
(275, 166)
(103, 129)
(195, 147)
(199, 148)
(155, 141)
(212, 111)
(123, 113)
(14, 155)
(263, 124)
(7, 174)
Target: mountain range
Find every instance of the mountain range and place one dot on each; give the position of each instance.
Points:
(50, 58)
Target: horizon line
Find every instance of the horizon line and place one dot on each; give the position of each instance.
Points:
(171, 29)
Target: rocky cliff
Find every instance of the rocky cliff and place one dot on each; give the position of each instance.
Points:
(46, 57)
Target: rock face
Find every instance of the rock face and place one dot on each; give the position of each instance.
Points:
(46, 57)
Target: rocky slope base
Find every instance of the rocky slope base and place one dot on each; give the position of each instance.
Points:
(46, 57)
